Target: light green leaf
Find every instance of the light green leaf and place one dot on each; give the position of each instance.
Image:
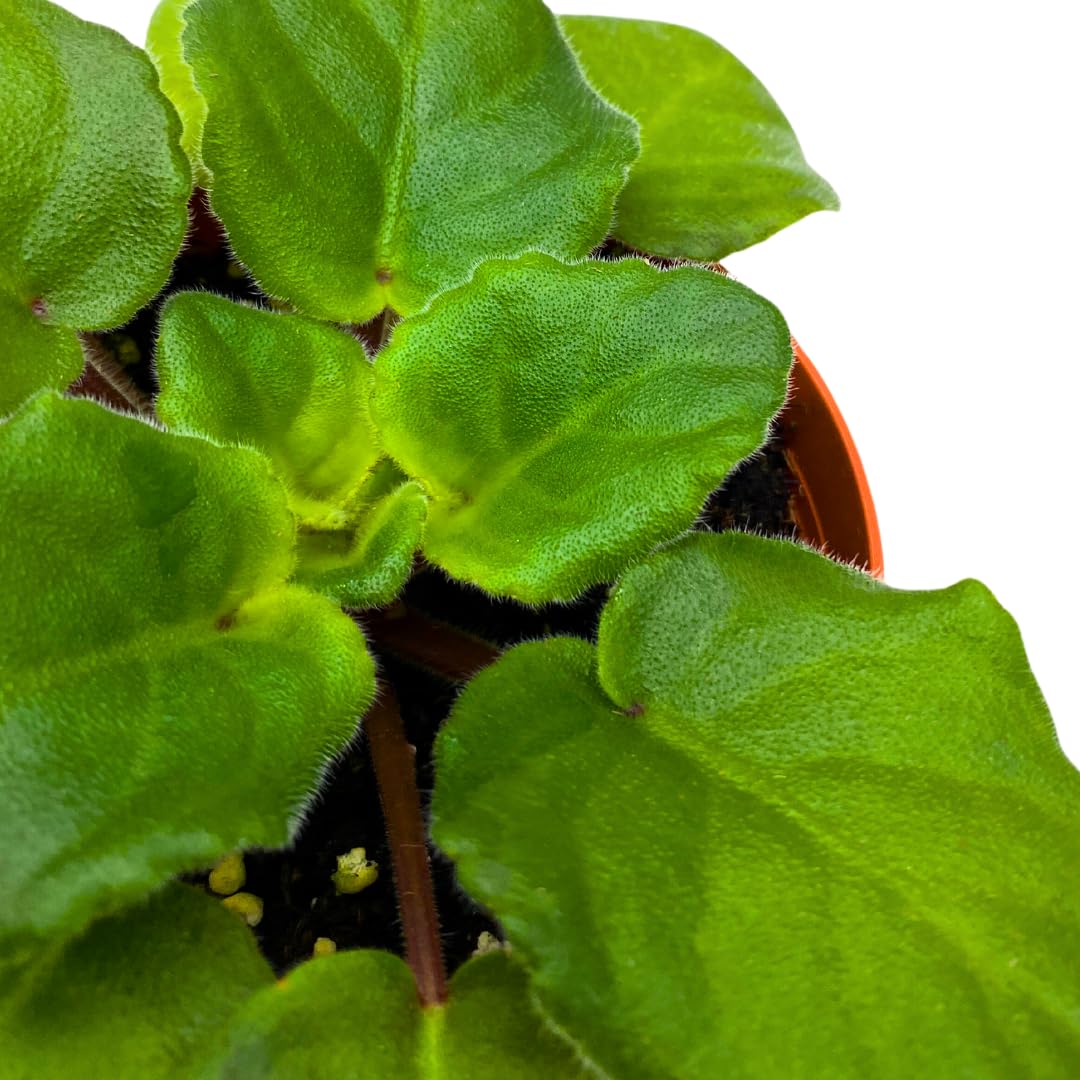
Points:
(398, 143)
(93, 190)
(720, 167)
(583, 412)
(164, 43)
(355, 1014)
(165, 696)
(294, 388)
(143, 995)
(367, 563)
(783, 821)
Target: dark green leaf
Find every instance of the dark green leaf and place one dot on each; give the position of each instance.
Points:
(720, 167)
(143, 995)
(583, 413)
(783, 821)
(397, 143)
(93, 189)
(165, 696)
(355, 1014)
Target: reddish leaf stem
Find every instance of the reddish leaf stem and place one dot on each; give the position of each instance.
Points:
(434, 646)
(104, 378)
(395, 773)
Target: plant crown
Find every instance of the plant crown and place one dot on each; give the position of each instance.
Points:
(775, 819)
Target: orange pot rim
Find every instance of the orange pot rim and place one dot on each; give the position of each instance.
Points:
(814, 395)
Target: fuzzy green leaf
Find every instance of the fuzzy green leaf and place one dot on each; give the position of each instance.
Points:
(294, 388)
(164, 44)
(366, 563)
(355, 1014)
(583, 413)
(720, 167)
(93, 190)
(165, 696)
(143, 995)
(783, 822)
(393, 144)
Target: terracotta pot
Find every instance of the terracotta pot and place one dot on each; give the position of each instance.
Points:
(832, 507)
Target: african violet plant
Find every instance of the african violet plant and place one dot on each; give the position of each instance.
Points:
(776, 819)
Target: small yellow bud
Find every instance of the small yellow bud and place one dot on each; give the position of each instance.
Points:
(324, 946)
(247, 906)
(354, 871)
(228, 874)
(486, 942)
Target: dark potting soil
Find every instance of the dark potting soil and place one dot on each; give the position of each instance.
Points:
(300, 902)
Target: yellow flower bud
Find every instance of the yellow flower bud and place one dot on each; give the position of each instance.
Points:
(354, 871)
(247, 906)
(228, 874)
(324, 946)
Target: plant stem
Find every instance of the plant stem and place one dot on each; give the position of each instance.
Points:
(434, 646)
(104, 377)
(395, 773)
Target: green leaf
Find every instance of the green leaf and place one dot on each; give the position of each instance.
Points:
(294, 388)
(783, 821)
(366, 564)
(165, 696)
(720, 167)
(142, 995)
(93, 190)
(164, 38)
(356, 1014)
(583, 413)
(399, 143)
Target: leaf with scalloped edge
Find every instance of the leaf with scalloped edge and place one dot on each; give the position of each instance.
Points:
(146, 993)
(720, 167)
(356, 1014)
(584, 413)
(783, 821)
(164, 38)
(166, 696)
(368, 562)
(398, 143)
(93, 190)
(296, 389)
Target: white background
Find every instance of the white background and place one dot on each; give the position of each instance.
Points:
(938, 303)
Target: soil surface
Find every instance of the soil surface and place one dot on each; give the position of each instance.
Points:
(300, 902)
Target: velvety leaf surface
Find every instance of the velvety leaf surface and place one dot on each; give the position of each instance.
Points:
(93, 189)
(142, 995)
(367, 563)
(720, 167)
(393, 144)
(783, 821)
(355, 1014)
(164, 45)
(583, 412)
(294, 388)
(165, 696)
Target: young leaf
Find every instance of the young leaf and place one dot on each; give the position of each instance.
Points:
(782, 821)
(165, 696)
(584, 413)
(294, 388)
(164, 44)
(366, 564)
(356, 1014)
(720, 167)
(398, 143)
(146, 994)
(93, 189)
